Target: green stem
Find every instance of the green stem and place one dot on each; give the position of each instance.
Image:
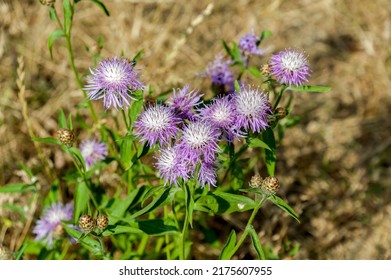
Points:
(125, 120)
(283, 88)
(72, 63)
(188, 196)
(248, 226)
(166, 237)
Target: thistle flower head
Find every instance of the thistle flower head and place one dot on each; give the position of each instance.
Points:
(198, 142)
(171, 167)
(113, 80)
(248, 43)
(221, 114)
(92, 151)
(252, 109)
(49, 223)
(290, 67)
(157, 124)
(207, 174)
(183, 101)
(219, 72)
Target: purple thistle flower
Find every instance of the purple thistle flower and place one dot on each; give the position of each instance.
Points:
(252, 108)
(219, 72)
(48, 225)
(157, 124)
(248, 43)
(184, 101)
(198, 142)
(221, 114)
(113, 80)
(92, 151)
(171, 167)
(290, 67)
(207, 174)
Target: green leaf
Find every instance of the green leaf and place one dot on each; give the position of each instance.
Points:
(136, 107)
(87, 242)
(189, 201)
(161, 199)
(70, 122)
(126, 151)
(79, 157)
(227, 251)
(52, 13)
(256, 243)
(223, 203)
(236, 53)
(265, 34)
(102, 6)
(138, 56)
(257, 143)
(156, 226)
(80, 200)
(310, 88)
(49, 140)
(228, 49)
(28, 171)
(18, 188)
(120, 206)
(282, 204)
(270, 154)
(68, 15)
(56, 34)
(237, 86)
(254, 71)
(118, 229)
(62, 120)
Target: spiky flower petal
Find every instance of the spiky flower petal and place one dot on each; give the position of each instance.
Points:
(157, 124)
(290, 67)
(183, 102)
(199, 142)
(207, 174)
(171, 167)
(221, 114)
(248, 43)
(113, 80)
(92, 151)
(219, 72)
(50, 221)
(252, 109)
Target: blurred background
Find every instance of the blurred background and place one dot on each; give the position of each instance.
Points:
(334, 166)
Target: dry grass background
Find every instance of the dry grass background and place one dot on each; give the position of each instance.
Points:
(334, 166)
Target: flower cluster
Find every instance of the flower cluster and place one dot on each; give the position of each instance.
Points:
(189, 132)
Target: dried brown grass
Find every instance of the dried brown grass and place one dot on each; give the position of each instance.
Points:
(334, 166)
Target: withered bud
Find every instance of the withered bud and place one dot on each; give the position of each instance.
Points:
(66, 136)
(86, 223)
(102, 221)
(256, 181)
(270, 185)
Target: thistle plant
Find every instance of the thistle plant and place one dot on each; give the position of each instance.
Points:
(177, 160)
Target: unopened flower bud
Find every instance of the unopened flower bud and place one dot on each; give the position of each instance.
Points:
(256, 181)
(270, 185)
(66, 136)
(47, 2)
(86, 223)
(102, 221)
(265, 70)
